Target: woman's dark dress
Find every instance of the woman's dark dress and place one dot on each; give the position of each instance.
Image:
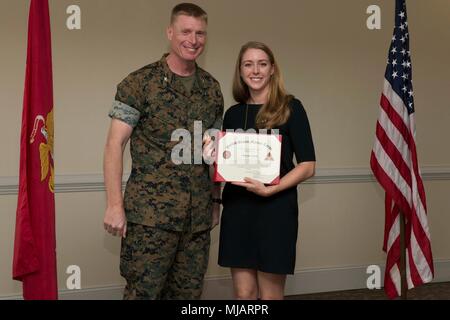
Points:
(257, 232)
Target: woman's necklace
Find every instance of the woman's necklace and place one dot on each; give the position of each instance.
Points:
(246, 113)
(246, 117)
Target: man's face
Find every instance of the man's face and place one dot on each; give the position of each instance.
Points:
(187, 36)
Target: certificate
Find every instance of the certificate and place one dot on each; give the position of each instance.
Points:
(252, 155)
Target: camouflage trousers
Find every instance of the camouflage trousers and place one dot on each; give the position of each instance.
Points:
(161, 264)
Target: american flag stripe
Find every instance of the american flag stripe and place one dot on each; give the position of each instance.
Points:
(420, 261)
(410, 270)
(399, 132)
(419, 183)
(395, 166)
(394, 232)
(392, 283)
(392, 150)
(390, 159)
(397, 105)
(386, 121)
(421, 213)
(393, 178)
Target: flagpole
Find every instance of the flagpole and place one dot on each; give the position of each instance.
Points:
(404, 284)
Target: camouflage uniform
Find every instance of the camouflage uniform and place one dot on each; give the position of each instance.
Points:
(164, 200)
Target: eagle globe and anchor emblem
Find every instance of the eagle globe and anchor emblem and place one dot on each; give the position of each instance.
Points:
(45, 149)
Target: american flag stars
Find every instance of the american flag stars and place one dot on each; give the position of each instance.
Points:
(399, 72)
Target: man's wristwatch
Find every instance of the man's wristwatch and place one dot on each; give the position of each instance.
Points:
(217, 200)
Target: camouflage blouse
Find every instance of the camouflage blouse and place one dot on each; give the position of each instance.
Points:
(160, 192)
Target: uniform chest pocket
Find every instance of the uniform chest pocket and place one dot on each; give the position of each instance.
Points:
(162, 122)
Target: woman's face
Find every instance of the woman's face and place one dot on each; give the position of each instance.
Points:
(256, 69)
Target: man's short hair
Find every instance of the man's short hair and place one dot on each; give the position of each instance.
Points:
(188, 9)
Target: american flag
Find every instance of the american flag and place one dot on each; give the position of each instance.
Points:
(394, 164)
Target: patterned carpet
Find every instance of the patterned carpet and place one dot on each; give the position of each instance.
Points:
(432, 291)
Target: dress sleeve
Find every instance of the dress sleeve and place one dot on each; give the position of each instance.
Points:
(300, 133)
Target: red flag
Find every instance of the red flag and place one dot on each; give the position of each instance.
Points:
(395, 165)
(35, 243)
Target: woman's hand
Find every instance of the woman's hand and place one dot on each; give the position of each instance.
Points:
(257, 187)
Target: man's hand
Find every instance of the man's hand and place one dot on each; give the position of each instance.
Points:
(209, 150)
(115, 221)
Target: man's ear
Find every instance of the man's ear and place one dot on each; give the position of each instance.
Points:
(169, 33)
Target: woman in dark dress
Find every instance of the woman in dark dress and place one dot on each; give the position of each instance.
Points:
(259, 222)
